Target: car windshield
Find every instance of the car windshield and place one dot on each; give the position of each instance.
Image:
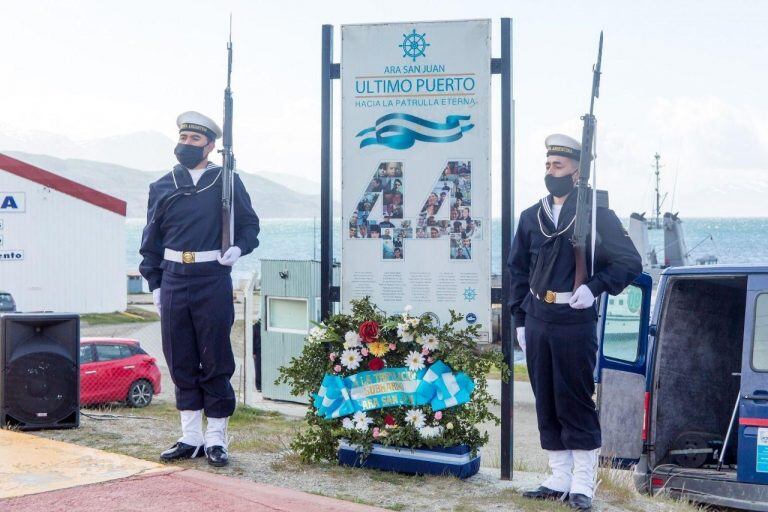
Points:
(5, 299)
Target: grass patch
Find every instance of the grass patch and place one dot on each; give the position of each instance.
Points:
(131, 315)
(616, 484)
(256, 430)
(527, 466)
(390, 477)
(511, 500)
(355, 499)
(616, 487)
(245, 415)
(261, 443)
(252, 430)
(520, 373)
(290, 461)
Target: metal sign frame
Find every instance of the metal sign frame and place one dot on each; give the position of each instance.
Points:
(331, 71)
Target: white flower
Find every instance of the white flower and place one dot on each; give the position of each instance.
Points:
(449, 426)
(407, 308)
(412, 321)
(415, 417)
(347, 423)
(431, 342)
(351, 359)
(361, 421)
(402, 331)
(317, 333)
(414, 361)
(361, 417)
(430, 432)
(351, 340)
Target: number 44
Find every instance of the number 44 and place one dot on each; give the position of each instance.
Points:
(446, 212)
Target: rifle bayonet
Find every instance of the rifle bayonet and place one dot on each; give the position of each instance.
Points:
(228, 157)
(584, 194)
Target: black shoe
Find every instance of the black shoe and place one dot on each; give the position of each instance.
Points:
(182, 451)
(580, 502)
(217, 456)
(545, 493)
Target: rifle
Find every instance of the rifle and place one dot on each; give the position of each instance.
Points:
(584, 193)
(228, 157)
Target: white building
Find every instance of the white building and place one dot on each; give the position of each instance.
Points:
(62, 244)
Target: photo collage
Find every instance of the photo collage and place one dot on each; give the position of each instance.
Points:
(445, 214)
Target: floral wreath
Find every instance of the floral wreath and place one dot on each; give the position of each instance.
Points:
(367, 340)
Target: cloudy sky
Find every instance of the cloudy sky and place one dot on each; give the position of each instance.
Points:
(684, 78)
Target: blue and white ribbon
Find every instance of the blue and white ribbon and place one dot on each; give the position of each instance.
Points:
(451, 389)
(392, 387)
(401, 131)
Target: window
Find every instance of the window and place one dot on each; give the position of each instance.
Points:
(108, 352)
(288, 315)
(621, 337)
(125, 351)
(760, 343)
(86, 354)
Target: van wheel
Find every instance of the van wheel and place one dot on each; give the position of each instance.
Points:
(140, 393)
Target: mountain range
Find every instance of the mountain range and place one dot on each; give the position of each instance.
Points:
(114, 166)
(270, 199)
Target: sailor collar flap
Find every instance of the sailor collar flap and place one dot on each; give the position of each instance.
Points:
(547, 220)
(183, 180)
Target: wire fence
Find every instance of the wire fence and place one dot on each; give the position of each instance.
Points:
(124, 365)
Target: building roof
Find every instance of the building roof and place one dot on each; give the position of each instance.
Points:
(63, 185)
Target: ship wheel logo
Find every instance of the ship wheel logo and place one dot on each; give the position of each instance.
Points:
(414, 45)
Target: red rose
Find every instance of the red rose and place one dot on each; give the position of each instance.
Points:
(389, 420)
(376, 363)
(369, 331)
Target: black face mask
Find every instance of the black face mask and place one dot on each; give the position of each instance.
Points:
(188, 155)
(559, 187)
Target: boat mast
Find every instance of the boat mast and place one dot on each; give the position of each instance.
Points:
(657, 221)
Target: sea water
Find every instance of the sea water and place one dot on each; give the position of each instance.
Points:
(730, 240)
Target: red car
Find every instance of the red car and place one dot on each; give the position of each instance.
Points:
(117, 370)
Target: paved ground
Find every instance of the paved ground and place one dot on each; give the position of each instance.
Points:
(38, 474)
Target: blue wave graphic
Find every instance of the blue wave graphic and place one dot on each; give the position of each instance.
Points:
(391, 131)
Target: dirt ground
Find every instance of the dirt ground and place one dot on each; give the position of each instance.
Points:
(260, 452)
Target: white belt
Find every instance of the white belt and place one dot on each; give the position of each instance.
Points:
(190, 256)
(554, 297)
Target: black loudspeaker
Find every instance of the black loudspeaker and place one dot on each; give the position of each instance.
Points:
(40, 363)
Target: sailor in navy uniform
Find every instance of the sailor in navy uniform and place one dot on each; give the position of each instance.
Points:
(556, 325)
(191, 285)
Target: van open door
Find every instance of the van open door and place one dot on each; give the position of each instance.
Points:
(622, 334)
(753, 401)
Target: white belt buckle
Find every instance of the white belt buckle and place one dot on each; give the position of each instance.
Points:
(551, 297)
(188, 257)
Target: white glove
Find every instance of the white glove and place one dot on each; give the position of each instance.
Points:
(521, 337)
(582, 298)
(230, 257)
(156, 299)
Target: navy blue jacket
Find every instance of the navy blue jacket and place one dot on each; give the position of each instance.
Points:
(185, 217)
(617, 262)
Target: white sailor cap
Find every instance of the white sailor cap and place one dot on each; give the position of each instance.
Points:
(563, 145)
(196, 122)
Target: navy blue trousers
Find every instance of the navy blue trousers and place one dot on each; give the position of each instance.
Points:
(196, 319)
(561, 364)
